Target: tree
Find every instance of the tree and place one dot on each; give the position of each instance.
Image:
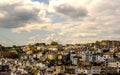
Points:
(54, 43)
(14, 47)
(0, 47)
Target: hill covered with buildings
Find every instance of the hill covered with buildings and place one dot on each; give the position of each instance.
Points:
(100, 57)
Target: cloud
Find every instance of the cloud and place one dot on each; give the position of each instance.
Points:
(18, 13)
(86, 21)
(47, 39)
(70, 11)
(35, 26)
(29, 28)
(68, 8)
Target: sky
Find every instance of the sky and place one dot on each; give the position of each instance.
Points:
(65, 21)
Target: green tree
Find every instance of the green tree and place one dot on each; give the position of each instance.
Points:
(0, 47)
(54, 43)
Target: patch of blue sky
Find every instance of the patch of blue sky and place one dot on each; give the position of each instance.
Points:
(40, 33)
(56, 18)
(44, 1)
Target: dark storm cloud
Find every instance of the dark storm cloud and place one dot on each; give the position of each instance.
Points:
(18, 15)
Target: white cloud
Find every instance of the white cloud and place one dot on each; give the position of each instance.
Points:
(2, 15)
(36, 26)
(47, 39)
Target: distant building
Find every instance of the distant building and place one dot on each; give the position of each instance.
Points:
(8, 55)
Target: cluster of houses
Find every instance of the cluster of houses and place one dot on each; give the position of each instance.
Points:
(101, 57)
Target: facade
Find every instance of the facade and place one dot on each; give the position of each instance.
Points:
(95, 69)
(114, 64)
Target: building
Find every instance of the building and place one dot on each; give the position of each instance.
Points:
(95, 69)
